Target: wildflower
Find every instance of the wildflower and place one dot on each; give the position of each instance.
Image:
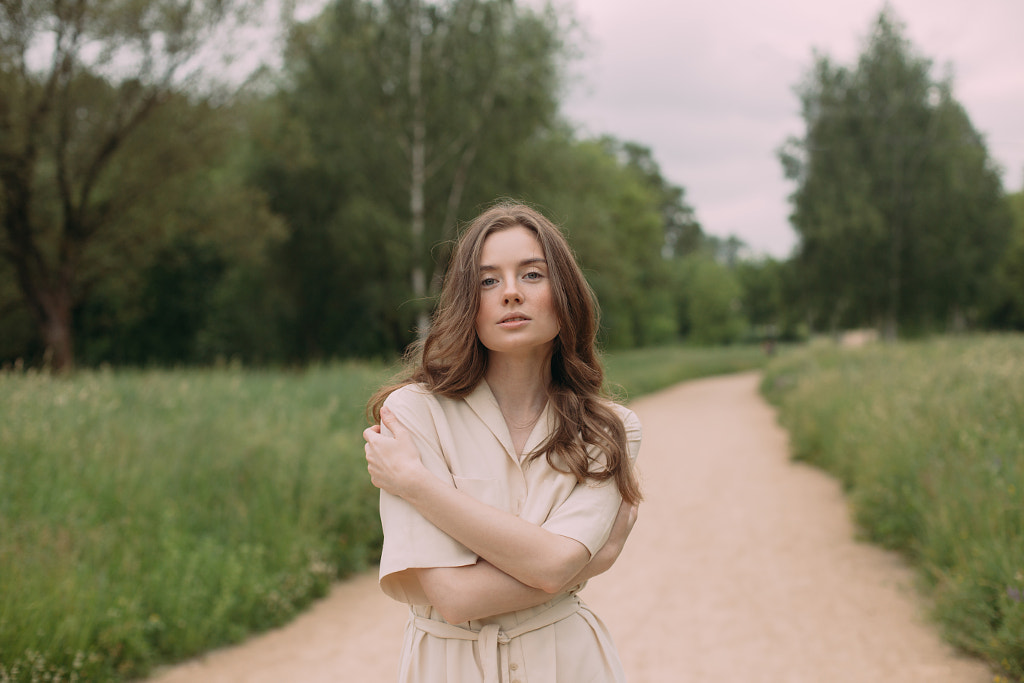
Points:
(1014, 594)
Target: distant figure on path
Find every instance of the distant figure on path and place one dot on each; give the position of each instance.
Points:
(506, 475)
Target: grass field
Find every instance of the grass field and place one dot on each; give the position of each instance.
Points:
(635, 373)
(928, 439)
(146, 516)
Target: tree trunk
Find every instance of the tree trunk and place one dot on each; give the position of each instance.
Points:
(451, 214)
(48, 295)
(417, 178)
(55, 328)
(890, 328)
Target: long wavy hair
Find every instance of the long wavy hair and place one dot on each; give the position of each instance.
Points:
(451, 360)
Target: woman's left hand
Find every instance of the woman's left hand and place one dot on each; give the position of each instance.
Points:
(606, 556)
(393, 462)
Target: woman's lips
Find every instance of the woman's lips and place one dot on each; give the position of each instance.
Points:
(514, 321)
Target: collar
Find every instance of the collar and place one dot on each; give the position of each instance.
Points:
(482, 402)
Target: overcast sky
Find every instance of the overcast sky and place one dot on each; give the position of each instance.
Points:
(708, 86)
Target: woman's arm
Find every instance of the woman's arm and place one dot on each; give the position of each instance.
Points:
(482, 590)
(528, 553)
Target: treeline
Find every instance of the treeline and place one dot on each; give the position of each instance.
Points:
(151, 216)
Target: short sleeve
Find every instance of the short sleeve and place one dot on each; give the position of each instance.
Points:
(588, 513)
(410, 541)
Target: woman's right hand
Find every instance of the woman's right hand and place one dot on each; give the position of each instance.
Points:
(393, 461)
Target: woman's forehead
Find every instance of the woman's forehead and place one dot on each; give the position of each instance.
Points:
(516, 238)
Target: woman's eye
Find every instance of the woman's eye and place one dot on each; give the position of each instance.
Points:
(488, 281)
(533, 275)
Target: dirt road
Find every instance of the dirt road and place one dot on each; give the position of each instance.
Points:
(743, 568)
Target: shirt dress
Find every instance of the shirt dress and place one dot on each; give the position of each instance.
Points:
(466, 443)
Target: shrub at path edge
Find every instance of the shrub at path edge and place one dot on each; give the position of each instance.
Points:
(928, 440)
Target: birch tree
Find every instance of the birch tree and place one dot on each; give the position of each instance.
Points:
(401, 108)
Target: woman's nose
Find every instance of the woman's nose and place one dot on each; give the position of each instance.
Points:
(513, 295)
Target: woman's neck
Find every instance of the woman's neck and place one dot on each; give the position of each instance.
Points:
(519, 384)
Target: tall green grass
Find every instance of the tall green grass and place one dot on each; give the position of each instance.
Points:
(147, 516)
(928, 438)
(641, 371)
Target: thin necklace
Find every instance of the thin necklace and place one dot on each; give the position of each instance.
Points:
(525, 425)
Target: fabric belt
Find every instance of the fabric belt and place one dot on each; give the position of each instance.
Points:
(493, 640)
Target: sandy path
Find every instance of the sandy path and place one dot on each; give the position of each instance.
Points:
(742, 569)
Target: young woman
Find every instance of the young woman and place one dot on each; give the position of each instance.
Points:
(506, 476)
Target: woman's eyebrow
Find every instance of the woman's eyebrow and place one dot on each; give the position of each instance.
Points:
(525, 262)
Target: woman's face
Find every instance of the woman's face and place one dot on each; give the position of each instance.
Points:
(516, 314)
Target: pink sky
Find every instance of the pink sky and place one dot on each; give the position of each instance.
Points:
(708, 86)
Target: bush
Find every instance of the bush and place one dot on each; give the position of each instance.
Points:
(927, 438)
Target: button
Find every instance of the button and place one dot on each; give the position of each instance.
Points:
(514, 666)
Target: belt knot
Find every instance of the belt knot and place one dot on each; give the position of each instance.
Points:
(493, 657)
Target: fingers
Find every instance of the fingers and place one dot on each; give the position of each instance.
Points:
(634, 511)
(388, 419)
(370, 432)
(627, 513)
(626, 517)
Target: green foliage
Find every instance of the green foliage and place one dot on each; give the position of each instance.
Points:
(926, 437)
(350, 140)
(770, 300)
(712, 300)
(1006, 308)
(636, 372)
(763, 294)
(279, 225)
(359, 171)
(100, 148)
(898, 205)
(612, 214)
(683, 234)
(146, 517)
(202, 230)
(336, 164)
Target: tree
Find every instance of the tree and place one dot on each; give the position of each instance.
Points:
(397, 115)
(1007, 303)
(614, 216)
(761, 281)
(79, 80)
(683, 234)
(713, 300)
(898, 205)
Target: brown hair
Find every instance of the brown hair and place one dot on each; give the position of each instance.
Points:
(449, 366)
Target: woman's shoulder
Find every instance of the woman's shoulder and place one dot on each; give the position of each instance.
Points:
(628, 417)
(414, 406)
(410, 395)
(634, 431)
(620, 410)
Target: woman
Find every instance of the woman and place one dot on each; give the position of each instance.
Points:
(506, 476)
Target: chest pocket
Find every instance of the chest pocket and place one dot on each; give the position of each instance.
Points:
(489, 491)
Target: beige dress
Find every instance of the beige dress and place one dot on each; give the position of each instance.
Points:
(467, 444)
